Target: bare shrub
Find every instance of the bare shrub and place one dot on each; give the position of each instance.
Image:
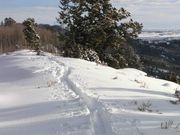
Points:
(145, 106)
(167, 124)
(177, 94)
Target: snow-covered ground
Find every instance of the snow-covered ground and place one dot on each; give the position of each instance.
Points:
(50, 95)
(159, 35)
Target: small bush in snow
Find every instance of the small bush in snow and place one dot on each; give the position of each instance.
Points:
(167, 124)
(145, 107)
(177, 94)
(173, 102)
(78, 51)
(90, 55)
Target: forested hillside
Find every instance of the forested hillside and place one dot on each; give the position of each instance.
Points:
(160, 58)
(12, 36)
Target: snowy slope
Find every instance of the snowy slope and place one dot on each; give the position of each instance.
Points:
(50, 95)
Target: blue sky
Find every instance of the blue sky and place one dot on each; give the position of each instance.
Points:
(154, 14)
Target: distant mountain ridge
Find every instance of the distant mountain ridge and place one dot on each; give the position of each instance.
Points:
(159, 53)
(160, 35)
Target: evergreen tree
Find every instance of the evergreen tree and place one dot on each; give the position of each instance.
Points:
(31, 36)
(97, 25)
(9, 21)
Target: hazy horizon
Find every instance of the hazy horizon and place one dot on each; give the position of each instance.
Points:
(154, 14)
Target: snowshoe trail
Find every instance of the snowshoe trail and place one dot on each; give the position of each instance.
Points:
(98, 115)
(71, 107)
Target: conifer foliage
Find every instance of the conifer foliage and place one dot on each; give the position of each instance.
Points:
(96, 25)
(31, 36)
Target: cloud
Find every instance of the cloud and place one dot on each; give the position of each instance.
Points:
(149, 2)
(156, 14)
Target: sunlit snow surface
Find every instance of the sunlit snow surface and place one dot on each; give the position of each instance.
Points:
(51, 95)
(160, 35)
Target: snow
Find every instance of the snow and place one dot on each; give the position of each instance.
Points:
(51, 95)
(160, 35)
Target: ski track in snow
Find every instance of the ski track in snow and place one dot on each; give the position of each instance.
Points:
(99, 119)
(60, 72)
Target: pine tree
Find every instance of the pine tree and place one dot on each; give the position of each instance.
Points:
(31, 36)
(97, 25)
(9, 21)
